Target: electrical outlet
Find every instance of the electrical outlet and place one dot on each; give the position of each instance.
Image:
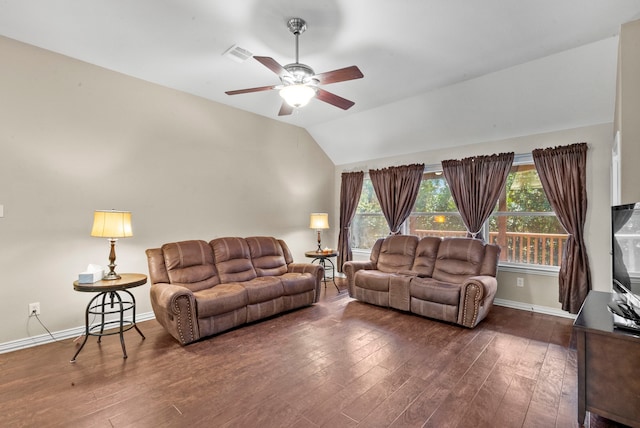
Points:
(520, 282)
(34, 309)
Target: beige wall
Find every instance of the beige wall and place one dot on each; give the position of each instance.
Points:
(628, 111)
(75, 138)
(539, 290)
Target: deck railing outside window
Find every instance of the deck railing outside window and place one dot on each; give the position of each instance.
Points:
(528, 248)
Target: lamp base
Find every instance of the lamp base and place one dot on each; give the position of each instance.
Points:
(111, 276)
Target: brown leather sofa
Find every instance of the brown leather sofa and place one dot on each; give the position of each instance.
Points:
(199, 289)
(450, 279)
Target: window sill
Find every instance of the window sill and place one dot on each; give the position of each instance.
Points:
(529, 269)
(360, 251)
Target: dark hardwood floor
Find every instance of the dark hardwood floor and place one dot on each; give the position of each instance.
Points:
(339, 363)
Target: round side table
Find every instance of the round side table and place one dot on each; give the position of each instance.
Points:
(324, 260)
(113, 298)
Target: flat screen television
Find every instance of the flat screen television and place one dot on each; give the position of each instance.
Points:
(625, 243)
(625, 246)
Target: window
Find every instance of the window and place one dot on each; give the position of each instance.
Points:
(435, 213)
(523, 223)
(368, 223)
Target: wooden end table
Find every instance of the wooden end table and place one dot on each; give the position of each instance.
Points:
(324, 260)
(109, 301)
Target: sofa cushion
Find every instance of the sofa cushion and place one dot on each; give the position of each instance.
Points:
(296, 283)
(372, 280)
(490, 263)
(267, 256)
(426, 253)
(432, 290)
(220, 299)
(263, 288)
(233, 259)
(458, 259)
(190, 263)
(397, 253)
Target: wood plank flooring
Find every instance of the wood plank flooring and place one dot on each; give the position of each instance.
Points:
(339, 363)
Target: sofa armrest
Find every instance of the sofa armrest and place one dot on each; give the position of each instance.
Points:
(316, 270)
(476, 298)
(175, 309)
(350, 268)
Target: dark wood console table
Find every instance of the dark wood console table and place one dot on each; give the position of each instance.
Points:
(608, 364)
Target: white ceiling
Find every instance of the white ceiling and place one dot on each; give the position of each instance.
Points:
(416, 55)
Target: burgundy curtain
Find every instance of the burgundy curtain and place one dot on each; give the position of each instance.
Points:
(562, 171)
(397, 189)
(475, 185)
(350, 190)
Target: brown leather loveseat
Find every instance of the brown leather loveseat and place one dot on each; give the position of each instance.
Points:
(450, 279)
(199, 289)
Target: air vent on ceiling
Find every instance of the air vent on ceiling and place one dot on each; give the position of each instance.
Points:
(237, 54)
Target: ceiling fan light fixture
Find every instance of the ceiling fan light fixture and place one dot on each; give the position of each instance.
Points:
(297, 95)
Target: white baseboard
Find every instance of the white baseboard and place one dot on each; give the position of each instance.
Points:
(533, 308)
(41, 339)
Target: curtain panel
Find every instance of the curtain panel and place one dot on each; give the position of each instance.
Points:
(475, 185)
(397, 189)
(350, 189)
(562, 172)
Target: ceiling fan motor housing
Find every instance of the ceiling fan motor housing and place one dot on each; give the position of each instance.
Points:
(300, 74)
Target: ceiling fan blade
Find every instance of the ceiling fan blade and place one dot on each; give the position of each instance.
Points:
(285, 109)
(333, 99)
(340, 75)
(272, 65)
(246, 91)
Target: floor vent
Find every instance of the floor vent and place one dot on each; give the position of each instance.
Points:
(237, 54)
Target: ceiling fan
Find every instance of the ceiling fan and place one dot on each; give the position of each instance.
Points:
(299, 81)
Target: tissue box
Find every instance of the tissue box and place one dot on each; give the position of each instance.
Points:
(89, 277)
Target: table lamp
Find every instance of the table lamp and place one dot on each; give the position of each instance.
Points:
(319, 221)
(113, 225)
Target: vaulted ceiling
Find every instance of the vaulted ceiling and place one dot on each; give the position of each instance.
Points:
(435, 71)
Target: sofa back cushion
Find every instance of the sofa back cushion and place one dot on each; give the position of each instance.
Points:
(490, 263)
(426, 254)
(397, 253)
(233, 260)
(267, 256)
(458, 258)
(190, 263)
(288, 258)
(157, 268)
(375, 251)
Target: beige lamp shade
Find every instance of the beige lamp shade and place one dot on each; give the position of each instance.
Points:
(111, 224)
(319, 221)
